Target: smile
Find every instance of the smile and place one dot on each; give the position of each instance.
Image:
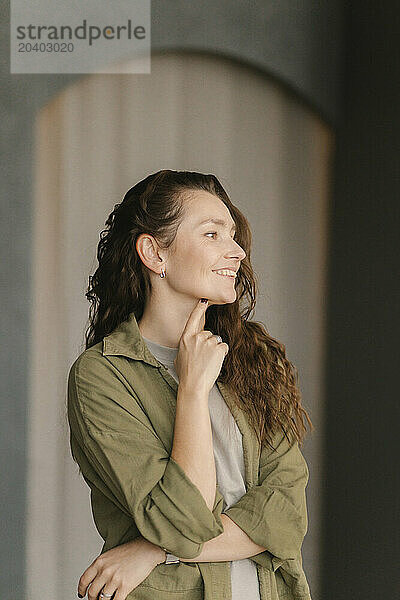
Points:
(226, 273)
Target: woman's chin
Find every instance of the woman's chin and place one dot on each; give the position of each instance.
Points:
(222, 299)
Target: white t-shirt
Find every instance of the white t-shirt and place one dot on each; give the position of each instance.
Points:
(229, 466)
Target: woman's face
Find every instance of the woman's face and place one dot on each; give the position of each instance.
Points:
(201, 248)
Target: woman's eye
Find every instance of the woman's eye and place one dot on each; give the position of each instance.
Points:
(215, 233)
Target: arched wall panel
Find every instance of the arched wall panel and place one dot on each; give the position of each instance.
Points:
(94, 141)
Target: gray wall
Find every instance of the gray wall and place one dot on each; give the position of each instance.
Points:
(362, 542)
(299, 43)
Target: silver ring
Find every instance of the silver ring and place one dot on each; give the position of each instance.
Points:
(104, 595)
(219, 339)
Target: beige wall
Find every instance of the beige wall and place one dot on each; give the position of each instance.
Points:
(94, 141)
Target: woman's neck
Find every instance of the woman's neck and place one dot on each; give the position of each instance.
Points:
(165, 324)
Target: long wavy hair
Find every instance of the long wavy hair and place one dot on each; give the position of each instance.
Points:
(263, 381)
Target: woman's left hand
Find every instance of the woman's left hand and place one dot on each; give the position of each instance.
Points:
(119, 570)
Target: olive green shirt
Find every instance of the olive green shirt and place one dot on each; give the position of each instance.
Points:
(121, 411)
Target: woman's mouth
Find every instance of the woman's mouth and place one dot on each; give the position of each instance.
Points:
(225, 273)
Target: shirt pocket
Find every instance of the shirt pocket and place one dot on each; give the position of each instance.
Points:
(174, 578)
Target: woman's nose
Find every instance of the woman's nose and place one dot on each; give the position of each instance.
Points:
(238, 251)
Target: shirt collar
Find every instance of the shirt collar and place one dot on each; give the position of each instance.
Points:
(126, 340)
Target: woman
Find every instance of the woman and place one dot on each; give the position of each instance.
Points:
(185, 417)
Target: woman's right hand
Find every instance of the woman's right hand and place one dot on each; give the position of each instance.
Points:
(200, 355)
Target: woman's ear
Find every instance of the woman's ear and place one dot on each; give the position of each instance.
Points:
(149, 252)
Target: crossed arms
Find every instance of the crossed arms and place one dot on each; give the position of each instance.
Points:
(267, 524)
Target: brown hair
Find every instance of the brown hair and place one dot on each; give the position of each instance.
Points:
(262, 379)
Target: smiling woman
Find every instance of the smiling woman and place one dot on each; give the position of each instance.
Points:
(196, 256)
(150, 401)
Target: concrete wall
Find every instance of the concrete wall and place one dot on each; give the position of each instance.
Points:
(301, 47)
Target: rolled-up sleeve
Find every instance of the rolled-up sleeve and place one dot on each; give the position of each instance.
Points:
(274, 513)
(122, 447)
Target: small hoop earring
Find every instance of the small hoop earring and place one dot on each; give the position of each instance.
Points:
(162, 274)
